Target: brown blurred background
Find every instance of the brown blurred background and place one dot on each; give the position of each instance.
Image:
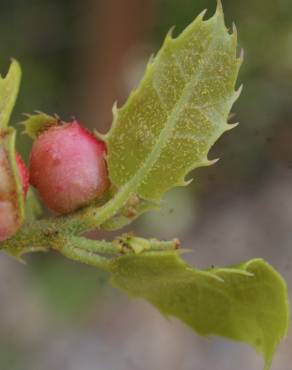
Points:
(78, 57)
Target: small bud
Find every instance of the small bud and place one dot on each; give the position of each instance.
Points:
(9, 217)
(68, 168)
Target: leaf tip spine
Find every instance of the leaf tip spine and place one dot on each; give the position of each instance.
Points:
(169, 35)
(15, 65)
(202, 15)
(210, 162)
(219, 8)
(99, 135)
(187, 182)
(115, 108)
(220, 19)
(231, 126)
(238, 92)
(241, 55)
(114, 120)
(234, 33)
(150, 62)
(184, 182)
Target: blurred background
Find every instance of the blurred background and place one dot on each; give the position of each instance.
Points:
(78, 57)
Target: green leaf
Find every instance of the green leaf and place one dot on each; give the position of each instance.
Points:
(9, 87)
(168, 125)
(36, 123)
(246, 303)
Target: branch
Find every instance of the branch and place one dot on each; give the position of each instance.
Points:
(49, 234)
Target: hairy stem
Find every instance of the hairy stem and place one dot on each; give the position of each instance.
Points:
(52, 234)
(84, 256)
(91, 217)
(93, 246)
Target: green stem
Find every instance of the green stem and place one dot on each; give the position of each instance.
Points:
(91, 217)
(49, 234)
(122, 245)
(129, 215)
(93, 246)
(38, 234)
(164, 245)
(83, 256)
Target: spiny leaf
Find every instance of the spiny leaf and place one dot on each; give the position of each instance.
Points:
(246, 303)
(9, 87)
(168, 125)
(36, 123)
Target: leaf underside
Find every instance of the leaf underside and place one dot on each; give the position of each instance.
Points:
(168, 125)
(13, 191)
(9, 87)
(246, 303)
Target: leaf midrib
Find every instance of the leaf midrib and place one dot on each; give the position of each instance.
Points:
(170, 123)
(129, 188)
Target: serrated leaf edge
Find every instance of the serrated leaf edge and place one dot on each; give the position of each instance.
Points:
(150, 160)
